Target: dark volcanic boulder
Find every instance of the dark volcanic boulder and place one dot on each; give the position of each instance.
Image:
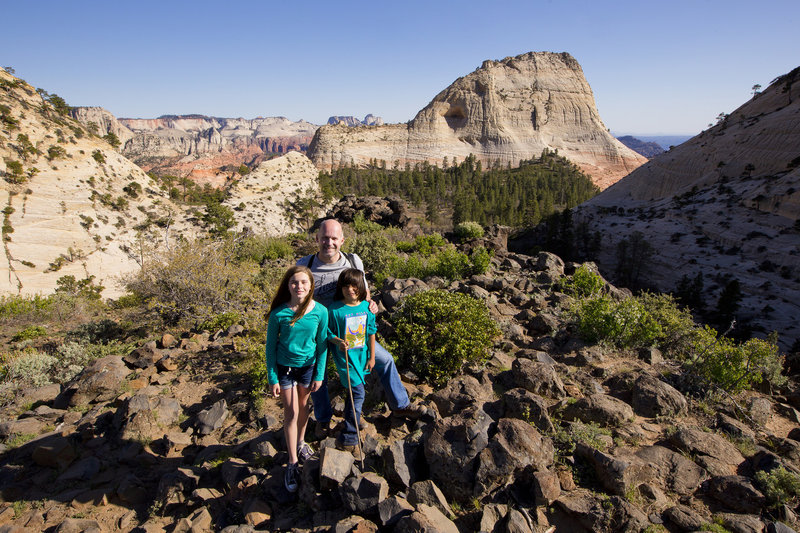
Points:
(652, 397)
(516, 445)
(452, 446)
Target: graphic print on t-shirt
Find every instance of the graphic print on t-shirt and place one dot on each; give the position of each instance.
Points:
(355, 331)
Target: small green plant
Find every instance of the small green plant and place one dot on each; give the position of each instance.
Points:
(31, 332)
(583, 283)
(221, 321)
(98, 156)
(361, 225)
(779, 486)
(467, 230)
(261, 249)
(437, 332)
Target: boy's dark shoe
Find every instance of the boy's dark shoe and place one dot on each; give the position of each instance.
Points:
(412, 412)
(322, 429)
(345, 447)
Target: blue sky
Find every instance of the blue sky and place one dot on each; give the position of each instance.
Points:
(654, 67)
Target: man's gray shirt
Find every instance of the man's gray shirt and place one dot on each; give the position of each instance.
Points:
(327, 274)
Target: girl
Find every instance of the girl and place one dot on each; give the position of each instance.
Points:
(296, 352)
(353, 329)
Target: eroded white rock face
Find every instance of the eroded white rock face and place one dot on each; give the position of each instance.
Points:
(505, 111)
(72, 215)
(258, 197)
(724, 204)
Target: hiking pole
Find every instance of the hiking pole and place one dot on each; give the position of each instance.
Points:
(353, 405)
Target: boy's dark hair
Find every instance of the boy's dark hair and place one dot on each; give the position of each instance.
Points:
(354, 277)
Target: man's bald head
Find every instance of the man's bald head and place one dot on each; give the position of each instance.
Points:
(329, 240)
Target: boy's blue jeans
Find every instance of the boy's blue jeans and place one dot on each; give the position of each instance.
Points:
(396, 395)
(350, 432)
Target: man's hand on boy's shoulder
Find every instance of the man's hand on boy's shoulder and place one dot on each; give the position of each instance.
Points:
(373, 307)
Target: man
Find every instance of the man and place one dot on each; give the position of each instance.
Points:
(326, 265)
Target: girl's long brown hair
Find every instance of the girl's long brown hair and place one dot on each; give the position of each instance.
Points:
(283, 296)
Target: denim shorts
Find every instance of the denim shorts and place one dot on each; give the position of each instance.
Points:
(291, 376)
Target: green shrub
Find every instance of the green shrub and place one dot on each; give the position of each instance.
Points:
(565, 438)
(196, 281)
(427, 245)
(221, 321)
(734, 366)
(450, 264)
(98, 156)
(361, 225)
(657, 320)
(13, 306)
(436, 332)
(583, 283)
(481, 258)
(31, 332)
(377, 253)
(31, 369)
(262, 248)
(779, 486)
(467, 230)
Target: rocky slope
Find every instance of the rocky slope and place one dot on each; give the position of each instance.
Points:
(72, 205)
(725, 204)
(505, 110)
(75, 206)
(206, 149)
(259, 198)
(550, 435)
(647, 149)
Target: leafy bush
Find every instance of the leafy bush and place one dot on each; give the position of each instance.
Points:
(732, 366)
(779, 486)
(262, 248)
(657, 320)
(31, 332)
(31, 369)
(377, 253)
(221, 321)
(468, 230)
(361, 225)
(583, 283)
(436, 332)
(196, 281)
(98, 156)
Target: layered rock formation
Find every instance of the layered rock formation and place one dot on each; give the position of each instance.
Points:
(369, 120)
(505, 111)
(72, 205)
(724, 204)
(206, 149)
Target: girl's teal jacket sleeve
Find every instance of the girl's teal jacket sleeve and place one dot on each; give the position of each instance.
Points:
(322, 345)
(271, 348)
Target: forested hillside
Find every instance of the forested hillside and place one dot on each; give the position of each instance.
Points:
(499, 195)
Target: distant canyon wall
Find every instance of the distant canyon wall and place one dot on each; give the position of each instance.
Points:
(203, 148)
(504, 111)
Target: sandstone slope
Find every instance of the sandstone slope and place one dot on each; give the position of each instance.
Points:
(724, 203)
(78, 207)
(507, 110)
(258, 199)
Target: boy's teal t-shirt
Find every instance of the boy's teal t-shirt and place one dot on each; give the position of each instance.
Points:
(303, 344)
(354, 324)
